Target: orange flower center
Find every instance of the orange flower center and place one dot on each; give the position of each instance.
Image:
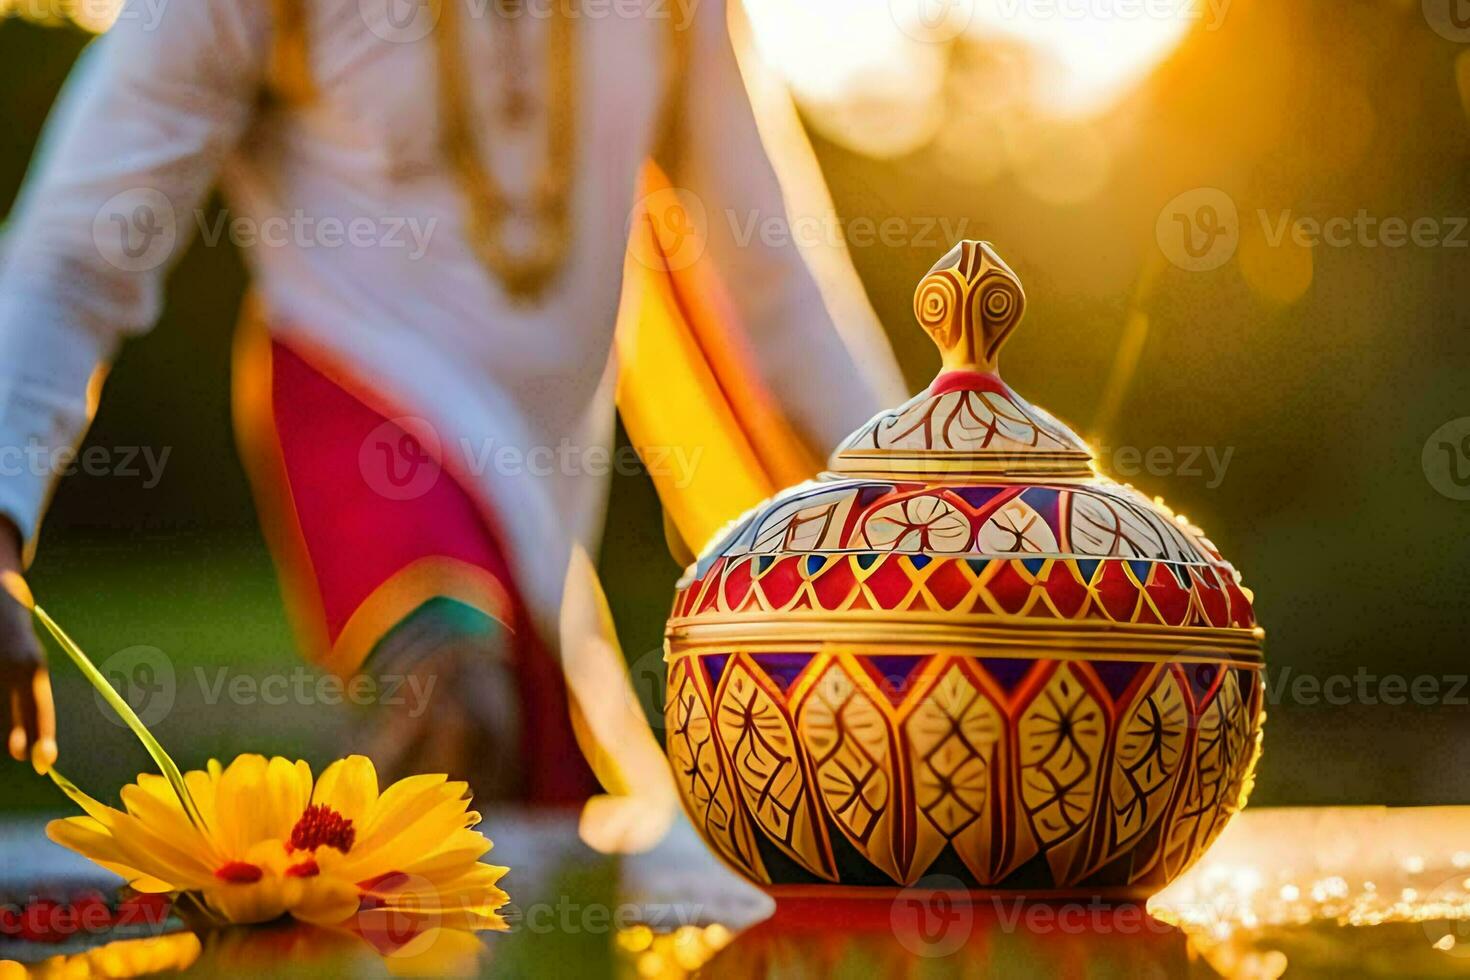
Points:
(321, 826)
(306, 869)
(239, 873)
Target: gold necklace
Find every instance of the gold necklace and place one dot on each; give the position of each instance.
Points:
(524, 272)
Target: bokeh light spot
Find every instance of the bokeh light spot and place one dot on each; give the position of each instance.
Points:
(1277, 269)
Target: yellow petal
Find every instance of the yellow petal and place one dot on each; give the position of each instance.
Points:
(400, 803)
(326, 901)
(476, 889)
(243, 904)
(159, 857)
(451, 861)
(157, 786)
(349, 786)
(425, 834)
(89, 839)
(238, 823)
(143, 849)
(388, 929)
(474, 892)
(203, 786)
(153, 886)
(287, 792)
(258, 799)
(153, 803)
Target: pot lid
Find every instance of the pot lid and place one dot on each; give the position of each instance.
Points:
(968, 423)
(967, 517)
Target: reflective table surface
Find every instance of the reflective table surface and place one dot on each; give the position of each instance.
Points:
(1291, 892)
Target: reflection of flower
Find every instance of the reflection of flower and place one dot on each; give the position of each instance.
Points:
(407, 944)
(411, 945)
(269, 842)
(124, 958)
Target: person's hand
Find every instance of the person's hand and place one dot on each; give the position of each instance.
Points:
(25, 686)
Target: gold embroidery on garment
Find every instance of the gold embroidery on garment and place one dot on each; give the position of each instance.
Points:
(524, 272)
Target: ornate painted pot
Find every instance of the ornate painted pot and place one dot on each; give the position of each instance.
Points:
(962, 654)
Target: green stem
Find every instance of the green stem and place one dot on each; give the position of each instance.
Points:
(207, 916)
(125, 712)
(69, 788)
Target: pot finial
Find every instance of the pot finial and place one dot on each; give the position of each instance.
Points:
(969, 303)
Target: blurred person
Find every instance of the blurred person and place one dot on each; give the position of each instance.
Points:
(434, 203)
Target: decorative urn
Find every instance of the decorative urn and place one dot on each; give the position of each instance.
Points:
(961, 654)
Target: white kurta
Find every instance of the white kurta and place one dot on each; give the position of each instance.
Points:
(172, 98)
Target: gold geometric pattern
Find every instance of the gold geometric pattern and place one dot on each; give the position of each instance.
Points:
(1062, 735)
(1222, 739)
(851, 748)
(768, 768)
(702, 776)
(989, 592)
(954, 736)
(1235, 748)
(1051, 765)
(1148, 756)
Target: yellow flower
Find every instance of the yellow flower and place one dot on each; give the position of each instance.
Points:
(122, 958)
(267, 842)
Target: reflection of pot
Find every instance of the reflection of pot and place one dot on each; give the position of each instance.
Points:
(940, 934)
(962, 652)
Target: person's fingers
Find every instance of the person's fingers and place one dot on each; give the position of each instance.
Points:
(20, 713)
(43, 744)
(25, 685)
